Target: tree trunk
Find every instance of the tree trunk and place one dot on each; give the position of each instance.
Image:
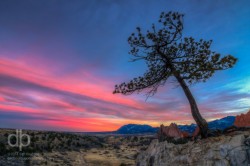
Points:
(194, 109)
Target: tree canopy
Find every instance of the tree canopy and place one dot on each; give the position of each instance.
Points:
(167, 53)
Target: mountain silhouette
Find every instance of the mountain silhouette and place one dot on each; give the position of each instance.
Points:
(219, 124)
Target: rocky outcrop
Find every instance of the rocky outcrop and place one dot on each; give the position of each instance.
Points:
(242, 120)
(196, 132)
(232, 149)
(185, 134)
(171, 131)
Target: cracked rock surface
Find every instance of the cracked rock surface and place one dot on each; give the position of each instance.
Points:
(231, 149)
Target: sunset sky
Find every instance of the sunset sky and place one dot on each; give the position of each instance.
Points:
(60, 60)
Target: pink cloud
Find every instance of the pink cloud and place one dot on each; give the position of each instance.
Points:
(79, 100)
(2, 99)
(80, 82)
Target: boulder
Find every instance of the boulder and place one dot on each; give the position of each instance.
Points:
(185, 134)
(242, 120)
(196, 132)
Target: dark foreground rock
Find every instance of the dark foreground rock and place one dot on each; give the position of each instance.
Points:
(232, 149)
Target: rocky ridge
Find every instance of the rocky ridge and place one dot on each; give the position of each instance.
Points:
(231, 149)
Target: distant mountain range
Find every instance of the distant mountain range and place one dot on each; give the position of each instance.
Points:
(136, 129)
(220, 124)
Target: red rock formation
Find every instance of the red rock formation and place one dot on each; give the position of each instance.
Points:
(185, 134)
(242, 120)
(172, 131)
(196, 132)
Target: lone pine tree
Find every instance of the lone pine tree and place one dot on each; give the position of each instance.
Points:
(166, 54)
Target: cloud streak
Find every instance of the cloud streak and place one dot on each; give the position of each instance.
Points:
(59, 65)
